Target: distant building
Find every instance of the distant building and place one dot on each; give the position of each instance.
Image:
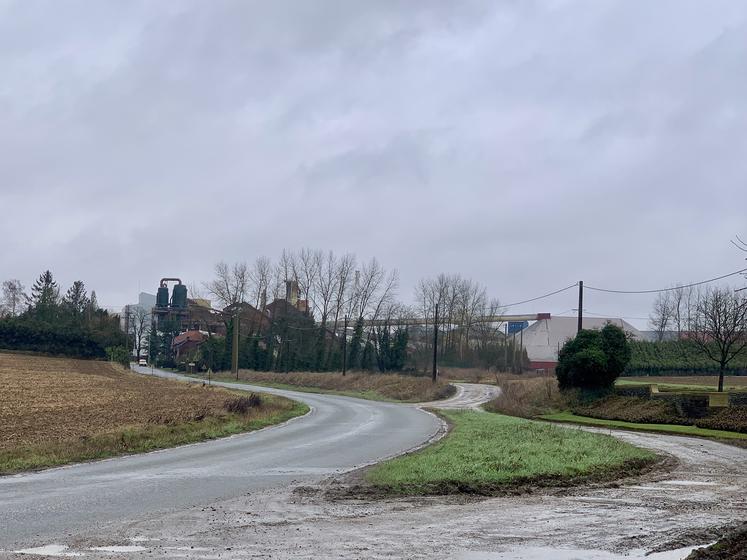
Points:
(544, 339)
(186, 342)
(655, 336)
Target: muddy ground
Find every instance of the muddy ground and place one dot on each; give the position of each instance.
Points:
(664, 514)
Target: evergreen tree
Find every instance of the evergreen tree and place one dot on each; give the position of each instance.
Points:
(45, 297)
(354, 353)
(76, 299)
(399, 349)
(368, 360)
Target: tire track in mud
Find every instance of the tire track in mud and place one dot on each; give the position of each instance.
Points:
(702, 490)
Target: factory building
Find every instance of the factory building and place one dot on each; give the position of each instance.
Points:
(543, 339)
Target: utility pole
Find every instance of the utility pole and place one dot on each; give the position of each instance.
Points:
(521, 351)
(127, 332)
(435, 346)
(345, 347)
(580, 305)
(235, 345)
(505, 349)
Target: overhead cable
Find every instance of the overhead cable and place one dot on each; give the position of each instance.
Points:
(541, 297)
(666, 289)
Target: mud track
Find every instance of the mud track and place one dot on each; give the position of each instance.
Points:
(703, 490)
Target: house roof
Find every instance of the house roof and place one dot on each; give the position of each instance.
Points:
(189, 336)
(544, 338)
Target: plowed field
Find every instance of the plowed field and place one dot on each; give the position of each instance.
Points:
(71, 410)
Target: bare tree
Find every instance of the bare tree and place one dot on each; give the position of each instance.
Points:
(661, 315)
(260, 277)
(231, 284)
(327, 280)
(140, 321)
(196, 291)
(306, 266)
(681, 298)
(720, 326)
(13, 297)
(344, 274)
(282, 273)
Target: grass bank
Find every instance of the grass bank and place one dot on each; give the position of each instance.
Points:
(149, 437)
(664, 428)
(731, 546)
(372, 386)
(539, 398)
(696, 383)
(491, 454)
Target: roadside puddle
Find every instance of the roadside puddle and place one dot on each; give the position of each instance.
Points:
(543, 553)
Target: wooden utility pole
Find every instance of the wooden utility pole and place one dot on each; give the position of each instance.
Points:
(235, 345)
(505, 349)
(127, 332)
(580, 305)
(435, 346)
(345, 347)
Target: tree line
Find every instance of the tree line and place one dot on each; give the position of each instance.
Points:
(49, 321)
(711, 319)
(340, 290)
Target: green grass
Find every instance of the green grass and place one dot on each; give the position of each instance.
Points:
(664, 428)
(679, 387)
(490, 453)
(141, 439)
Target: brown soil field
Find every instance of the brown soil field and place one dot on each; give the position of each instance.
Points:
(55, 400)
(407, 388)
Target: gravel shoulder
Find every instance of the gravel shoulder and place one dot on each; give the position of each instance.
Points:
(701, 491)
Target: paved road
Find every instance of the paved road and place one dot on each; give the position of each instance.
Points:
(339, 434)
(672, 508)
(468, 396)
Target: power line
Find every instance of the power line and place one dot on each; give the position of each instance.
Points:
(541, 297)
(612, 316)
(668, 289)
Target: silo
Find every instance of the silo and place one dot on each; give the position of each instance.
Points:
(162, 297)
(179, 297)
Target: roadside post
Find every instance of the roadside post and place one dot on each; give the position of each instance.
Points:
(435, 346)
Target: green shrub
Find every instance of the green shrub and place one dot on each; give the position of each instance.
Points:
(593, 359)
(119, 355)
(631, 409)
(733, 419)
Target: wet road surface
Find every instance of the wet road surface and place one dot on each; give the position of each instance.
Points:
(339, 434)
(703, 489)
(664, 513)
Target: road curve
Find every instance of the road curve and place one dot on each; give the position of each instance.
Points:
(468, 396)
(339, 434)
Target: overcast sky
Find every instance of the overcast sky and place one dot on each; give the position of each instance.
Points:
(524, 144)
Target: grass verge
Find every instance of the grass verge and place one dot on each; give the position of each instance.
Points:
(492, 454)
(664, 428)
(370, 386)
(731, 546)
(149, 437)
(696, 383)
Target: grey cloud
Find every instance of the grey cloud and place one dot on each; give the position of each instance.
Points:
(524, 144)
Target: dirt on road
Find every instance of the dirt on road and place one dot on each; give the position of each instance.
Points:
(665, 514)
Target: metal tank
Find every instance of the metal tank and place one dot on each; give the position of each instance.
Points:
(179, 297)
(162, 297)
